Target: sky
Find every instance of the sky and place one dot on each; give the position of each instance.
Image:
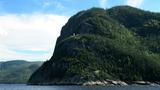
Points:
(29, 28)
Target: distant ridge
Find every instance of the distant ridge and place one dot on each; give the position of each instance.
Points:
(17, 71)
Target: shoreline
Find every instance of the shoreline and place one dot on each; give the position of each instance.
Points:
(99, 83)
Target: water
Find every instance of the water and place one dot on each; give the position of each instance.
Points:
(25, 87)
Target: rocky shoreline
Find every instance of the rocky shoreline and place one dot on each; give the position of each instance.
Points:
(101, 83)
(120, 83)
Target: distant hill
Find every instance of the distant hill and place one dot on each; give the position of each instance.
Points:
(17, 71)
(120, 43)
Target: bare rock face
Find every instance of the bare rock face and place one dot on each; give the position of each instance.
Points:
(105, 83)
(119, 44)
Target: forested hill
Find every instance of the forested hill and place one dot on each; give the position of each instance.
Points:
(120, 43)
(17, 71)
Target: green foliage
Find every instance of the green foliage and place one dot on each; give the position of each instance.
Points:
(121, 43)
(18, 71)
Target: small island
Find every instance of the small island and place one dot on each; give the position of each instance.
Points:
(115, 46)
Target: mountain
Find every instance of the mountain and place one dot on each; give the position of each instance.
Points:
(121, 43)
(17, 71)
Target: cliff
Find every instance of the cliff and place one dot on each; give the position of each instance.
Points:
(121, 43)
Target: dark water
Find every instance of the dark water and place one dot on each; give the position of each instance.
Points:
(25, 87)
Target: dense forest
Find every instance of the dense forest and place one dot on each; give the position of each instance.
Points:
(120, 43)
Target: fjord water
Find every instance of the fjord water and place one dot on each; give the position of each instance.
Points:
(30, 87)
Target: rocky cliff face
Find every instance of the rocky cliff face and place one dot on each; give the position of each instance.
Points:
(121, 43)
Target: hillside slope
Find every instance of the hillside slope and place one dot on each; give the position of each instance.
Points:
(120, 43)
(17, 71)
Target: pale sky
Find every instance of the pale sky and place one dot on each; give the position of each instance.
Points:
(29, 28)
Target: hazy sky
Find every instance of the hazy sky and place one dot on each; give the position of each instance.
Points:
(29, 28)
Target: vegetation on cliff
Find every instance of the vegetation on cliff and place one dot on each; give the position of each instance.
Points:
(120, 43)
